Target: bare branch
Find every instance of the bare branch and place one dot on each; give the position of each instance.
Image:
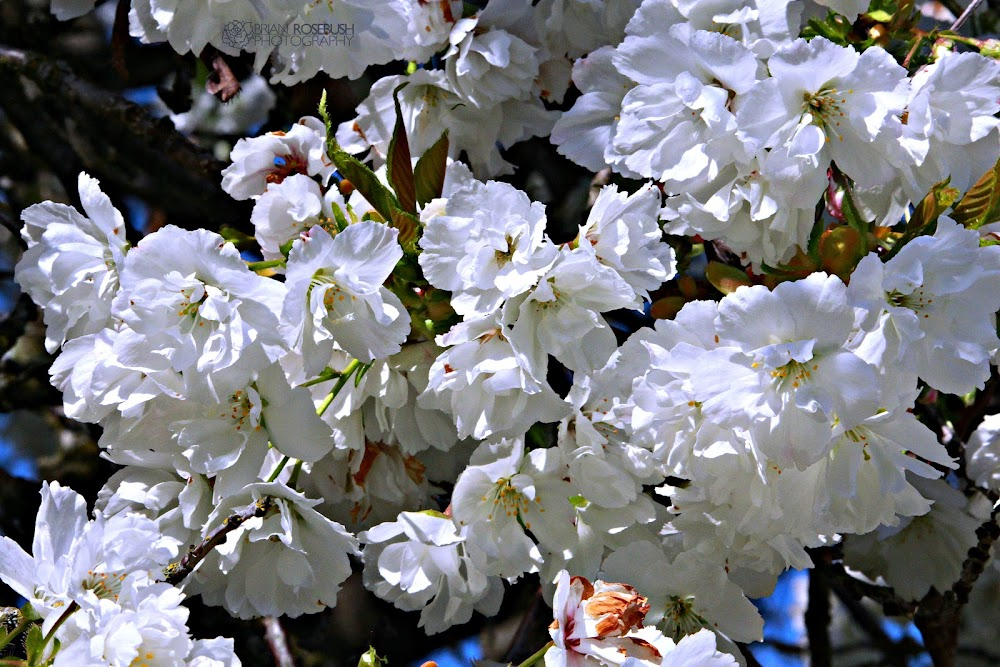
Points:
(965, 15)
(277, 641)
(73, 125)
(176, 572)
(817, 616)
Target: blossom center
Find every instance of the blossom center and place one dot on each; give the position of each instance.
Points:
(333, 295)
(105, 585)
(285, 166)
(792, 375)
(505, 497)
(504, 256)
(243, 412)
(860, 434)
(193, 297)
(144, 660)
(825, 106)
(680, 619)
(917, 301)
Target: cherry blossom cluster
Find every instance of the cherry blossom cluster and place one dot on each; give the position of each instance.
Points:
(380, 379)
(740, 121)
(94, 586)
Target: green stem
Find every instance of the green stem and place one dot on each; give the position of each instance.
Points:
(73, 606)
(322, 377)
(267, 264)
(294, 479)
(345, 375)
(341, 381)
(277, 471)
(537, 655)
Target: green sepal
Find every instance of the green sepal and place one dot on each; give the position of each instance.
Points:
(29, 613)
(339, 218)
(727, 279)
(834, 27)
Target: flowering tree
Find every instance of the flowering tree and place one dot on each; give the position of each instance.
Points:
(767, 342)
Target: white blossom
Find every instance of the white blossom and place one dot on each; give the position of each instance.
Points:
(486, 384)
(424, 561)
(198, 311)
(623, 232)
(335, 295)
(487, 246)
(272, 157)
(72, 263)
(828, 102)
(290, 562)
(931, 309)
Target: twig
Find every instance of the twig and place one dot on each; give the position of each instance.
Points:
(953, 7)
(895, 654)
(939, 614)
(277, 641)
(817, 615)
(120, 39)
(965, 15)
(176, 572)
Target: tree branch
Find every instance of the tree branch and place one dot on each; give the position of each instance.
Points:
(176, 572)
(277, 641)
(817, 615)
(965, 15)
(73, 125)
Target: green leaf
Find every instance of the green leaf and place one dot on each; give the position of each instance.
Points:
(363, 179)
(880, 15)
(812, 247)
(34, 645)
(727, 279)
(834, 27)
(398, 165)
(360, 176)
(385, 203)
(409, 230)
(429, 173)
(981, 204)
(324, 114)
